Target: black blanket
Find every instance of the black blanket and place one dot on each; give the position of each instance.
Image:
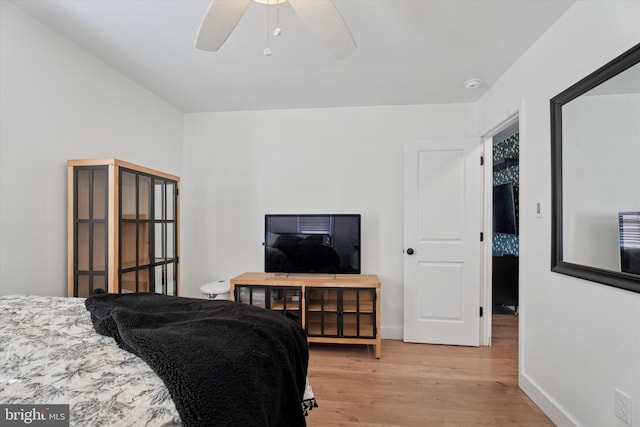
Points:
(224, 363)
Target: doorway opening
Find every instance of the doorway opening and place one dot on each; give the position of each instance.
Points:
(501, 250)
(505, 236)
(505, 243)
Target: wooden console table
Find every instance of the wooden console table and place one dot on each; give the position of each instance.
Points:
(332, 308)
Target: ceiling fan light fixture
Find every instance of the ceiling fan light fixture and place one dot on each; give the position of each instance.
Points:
(320, 17)
(472, 83)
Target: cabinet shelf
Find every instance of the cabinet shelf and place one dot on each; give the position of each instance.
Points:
(349, 306)
(291, 305)
(330, 329)
(363, 308)
(316, 305)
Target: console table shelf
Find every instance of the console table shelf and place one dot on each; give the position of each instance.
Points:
(332, 308)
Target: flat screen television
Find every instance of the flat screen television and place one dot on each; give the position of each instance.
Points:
(312, 243)
(629, 224)
(504, 209)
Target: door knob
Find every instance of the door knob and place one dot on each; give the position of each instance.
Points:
(410, 251)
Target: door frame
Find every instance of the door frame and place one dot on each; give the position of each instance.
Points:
(486, 294)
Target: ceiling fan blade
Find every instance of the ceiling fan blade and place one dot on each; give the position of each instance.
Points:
(218, 23)
(325, 22)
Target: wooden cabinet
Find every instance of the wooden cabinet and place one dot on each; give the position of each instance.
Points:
(122, 228)
(341, 308)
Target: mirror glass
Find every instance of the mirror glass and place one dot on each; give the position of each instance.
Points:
(596, 175)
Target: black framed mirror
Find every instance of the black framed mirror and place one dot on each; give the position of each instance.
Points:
(595, 175)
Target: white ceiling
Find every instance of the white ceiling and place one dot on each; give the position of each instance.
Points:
(409, 51)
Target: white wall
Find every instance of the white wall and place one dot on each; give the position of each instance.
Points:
(578, 340)
(59, 103)
(240, 166)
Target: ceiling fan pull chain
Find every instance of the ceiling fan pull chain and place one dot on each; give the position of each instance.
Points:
(267, 50)
(277, 30)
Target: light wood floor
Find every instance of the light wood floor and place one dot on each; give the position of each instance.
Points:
(422, 385)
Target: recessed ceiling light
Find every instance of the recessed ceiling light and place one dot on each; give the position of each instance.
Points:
(472, 83)
(270, 2)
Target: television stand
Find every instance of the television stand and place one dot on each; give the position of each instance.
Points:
(332, 308)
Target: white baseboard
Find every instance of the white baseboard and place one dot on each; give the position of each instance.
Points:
(545, 403)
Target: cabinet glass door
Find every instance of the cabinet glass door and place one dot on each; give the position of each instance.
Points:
(148, 233)
(286, 301)
(251, 294)
(165, 236)
(90, 229)
(281, 299)
(358, 313)
(322, 311)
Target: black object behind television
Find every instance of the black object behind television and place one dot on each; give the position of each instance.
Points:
(312, 243)
(629, 223)
(504, 209)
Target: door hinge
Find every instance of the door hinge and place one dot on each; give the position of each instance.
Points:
(481, 236)
(481, 313)
(481, 160)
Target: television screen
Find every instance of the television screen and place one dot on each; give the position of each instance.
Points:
(312, 243)
(504, 209)
(629, 223)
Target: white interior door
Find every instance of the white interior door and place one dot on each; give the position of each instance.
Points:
(442, 225)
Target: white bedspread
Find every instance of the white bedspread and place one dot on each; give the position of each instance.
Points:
(50, 354)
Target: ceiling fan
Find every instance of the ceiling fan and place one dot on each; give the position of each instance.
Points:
(320, 16)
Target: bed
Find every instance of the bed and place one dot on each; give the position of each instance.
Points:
(156, 361)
